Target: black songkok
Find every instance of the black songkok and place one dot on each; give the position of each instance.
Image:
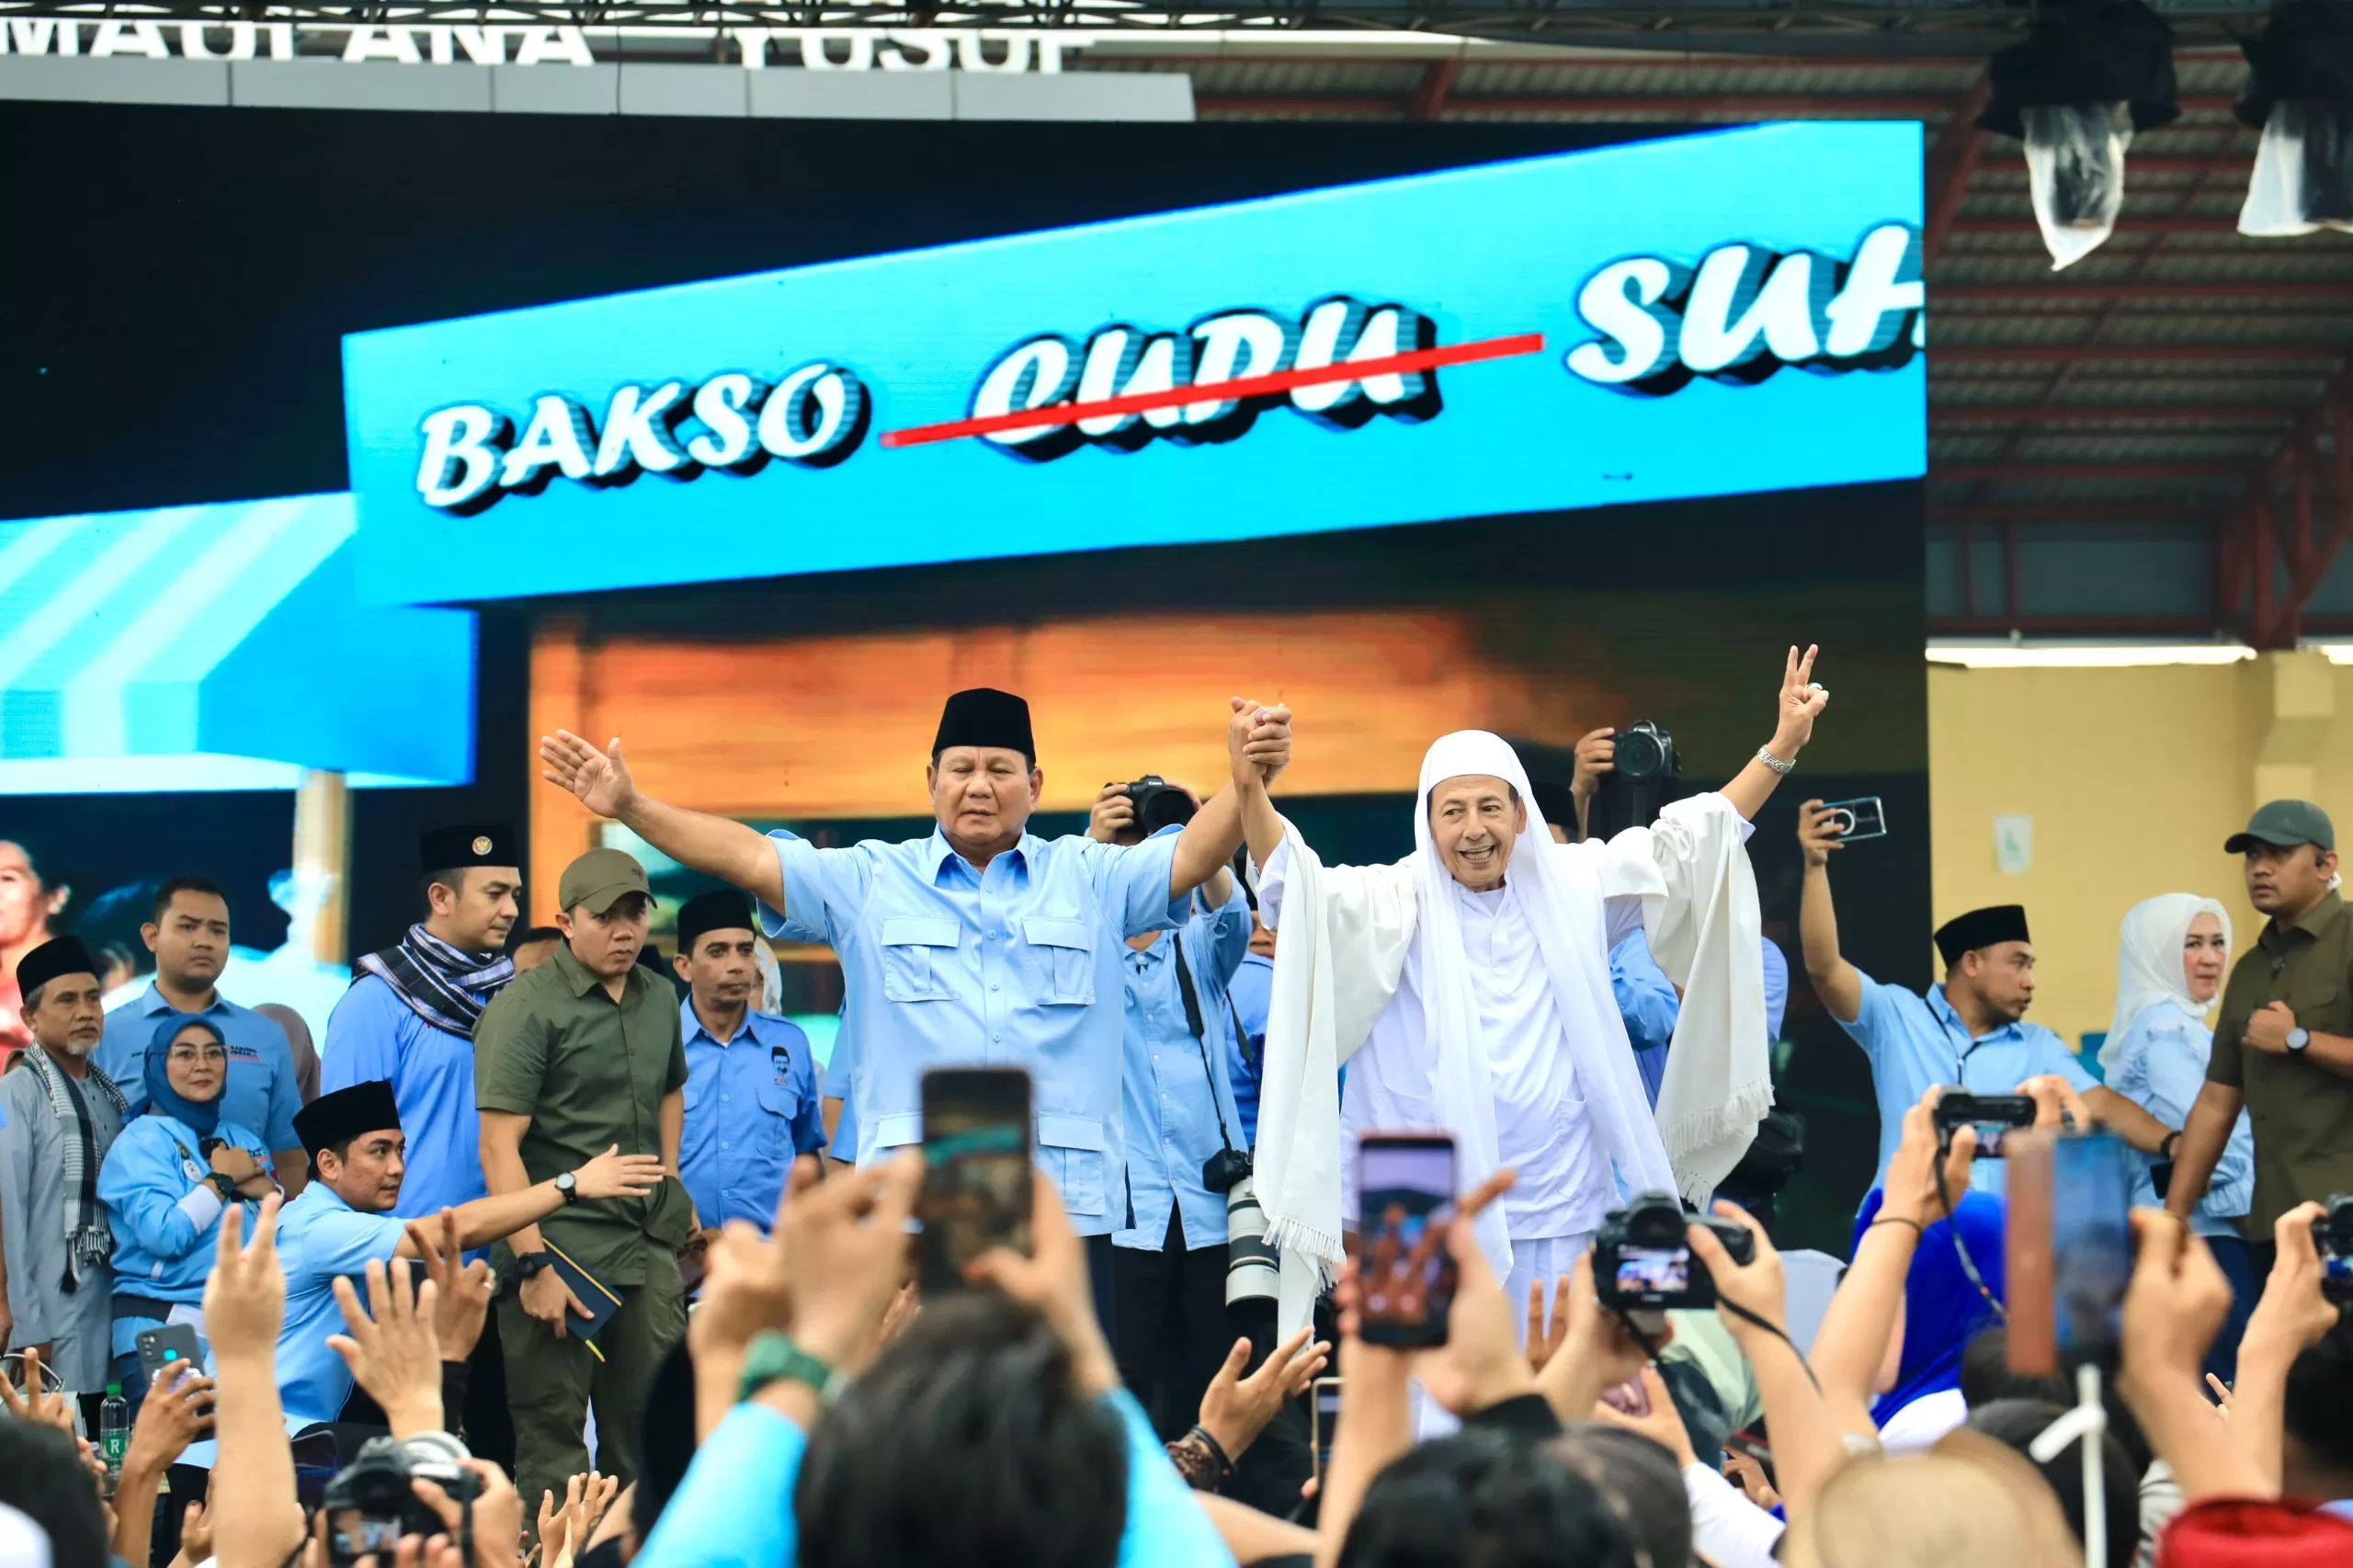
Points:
(985, 717)
(468, 844)
(65, 955)
(345, 1114)
(1981, 928)
(726, 910)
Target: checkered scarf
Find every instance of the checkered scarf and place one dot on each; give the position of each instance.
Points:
(446, 987)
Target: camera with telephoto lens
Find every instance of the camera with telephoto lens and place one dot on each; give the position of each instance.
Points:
(1158, 804)
(370, 1503)
(2333, 1239)
(1641, 1257)
(1252, 1269)
(1644, 774)
(1643, 752)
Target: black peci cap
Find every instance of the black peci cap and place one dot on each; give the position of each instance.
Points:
(468, 844)
(726, 910)
(346, 1113)
(64, 955)
(984, 716)
(1981, 928)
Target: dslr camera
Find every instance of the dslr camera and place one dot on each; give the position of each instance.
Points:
(2333, 1239)
(1641, 1258)
(370, 1504)
(1643, 775)
(1158, 804)
(1992, 1115)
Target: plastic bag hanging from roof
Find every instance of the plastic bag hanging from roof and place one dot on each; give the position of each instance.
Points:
(2300, 91)
(2074, 164)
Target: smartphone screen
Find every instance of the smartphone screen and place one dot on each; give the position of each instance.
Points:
(977, 1169)
(1326, 1416)
(2091, 1244)
(1404, 1272)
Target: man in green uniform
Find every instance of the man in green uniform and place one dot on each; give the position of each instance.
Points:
(574, 1057)
(2283, 1046)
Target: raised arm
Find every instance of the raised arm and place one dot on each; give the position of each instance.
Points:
(1257, 743)
(1800, 703)
(714, 845)
(1837, 982)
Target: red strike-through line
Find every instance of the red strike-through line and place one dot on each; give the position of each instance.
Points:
(1060, 413)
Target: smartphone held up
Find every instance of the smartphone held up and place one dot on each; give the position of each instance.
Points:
(1406, 1272)
(977, 1170)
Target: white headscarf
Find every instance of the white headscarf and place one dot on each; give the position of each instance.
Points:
(1562, 900)
(2149, 962)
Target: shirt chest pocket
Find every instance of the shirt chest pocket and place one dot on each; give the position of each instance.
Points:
(1070, 1148)
(916, 950)
(779, 1105)
(1058, 960)
(2318, 1000)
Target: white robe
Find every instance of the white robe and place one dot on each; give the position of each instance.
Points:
(1382, 958)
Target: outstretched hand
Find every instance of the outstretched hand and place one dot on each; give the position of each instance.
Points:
(599, 779)
(1802, 702)
(1258, 741)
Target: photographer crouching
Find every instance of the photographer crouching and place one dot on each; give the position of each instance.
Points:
(1185, 1297)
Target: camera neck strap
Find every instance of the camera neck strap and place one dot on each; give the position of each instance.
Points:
(1185, 989)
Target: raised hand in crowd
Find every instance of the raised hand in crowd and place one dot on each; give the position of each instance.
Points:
(175, 1412)
(410, 1552)
(258, 1521)
(1052, 1279)
(1544, 1342)
(1593, 1348)
(391, 1348)
(2172, 1308)
(564, 1529)
(746, 1291)
(51, 1408)
(1660, 1422)
(1750, 1299)
(461, 1290)
(2292, 1316)
(1235, 1409)
(498, 1514)
(1480, 1363)
(2057, 1105)
(1742, 1471)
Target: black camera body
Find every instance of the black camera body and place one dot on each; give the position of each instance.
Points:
(1158, 804)
(375, 1488)
(1644, 774)
(1641, 1257)
(1643, 752)
(2333, 1239)
(1992, 1115)
(1225, 1170)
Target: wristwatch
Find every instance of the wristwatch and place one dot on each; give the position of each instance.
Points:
(2165, 1148)
(225, 1184)
(772, 1357)
(565, 1185)
(533, 1263)
(2299, 1037)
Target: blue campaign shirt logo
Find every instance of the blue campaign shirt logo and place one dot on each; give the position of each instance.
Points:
(1493, 340)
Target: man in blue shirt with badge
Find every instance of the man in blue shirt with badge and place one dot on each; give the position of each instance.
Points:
(1169, 1267)
(189, 937)
(751, 1082)
(1967, 1033)
(979, 945)
(409, 1016)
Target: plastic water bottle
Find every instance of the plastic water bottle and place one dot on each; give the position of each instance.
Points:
(114, 1433)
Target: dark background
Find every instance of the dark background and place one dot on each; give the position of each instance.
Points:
(178, 281)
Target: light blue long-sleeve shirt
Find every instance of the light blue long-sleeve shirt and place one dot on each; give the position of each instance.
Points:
(165, 1217)
(1646, 1000)
(1172, 1099)
(1251, 989)
(260, 1094)
(2160, 1066)
(373, 1034)
(1776, 989)
(751, 1108)
(734, 1507)
(320, 1238)
(1014, 966)
(1915, 1041)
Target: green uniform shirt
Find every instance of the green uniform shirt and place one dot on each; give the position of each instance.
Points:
(590, 1072)
(2302, 1112)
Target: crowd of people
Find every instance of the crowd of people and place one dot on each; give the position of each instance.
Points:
(557, 1222)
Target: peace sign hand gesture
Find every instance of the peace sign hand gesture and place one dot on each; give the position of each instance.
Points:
(1802, 702)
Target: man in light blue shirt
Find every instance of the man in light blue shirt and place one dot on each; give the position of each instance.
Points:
(751, 1082)
(1967, 1033)
(1169, 1268)
(979, 945)
(189, 937)
(409, 1016)
(1646, 1000)
(1251, 990)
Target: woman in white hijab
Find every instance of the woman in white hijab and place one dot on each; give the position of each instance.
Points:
(2171, 958)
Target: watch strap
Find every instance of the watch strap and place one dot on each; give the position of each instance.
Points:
(529, 1265)
(224, 1184)
(2169, 1143)
(773, 1357)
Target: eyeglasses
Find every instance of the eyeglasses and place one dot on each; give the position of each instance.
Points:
(189, 1054)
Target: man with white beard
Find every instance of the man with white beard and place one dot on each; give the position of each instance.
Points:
(1469, 983)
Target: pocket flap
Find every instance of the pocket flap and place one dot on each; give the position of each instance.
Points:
(918, 931)
(1070, 1132)
(889, 1133)
(780, 1099)
(1051, 931)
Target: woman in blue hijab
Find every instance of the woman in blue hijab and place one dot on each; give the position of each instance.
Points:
(165, 1182)
(1943, 1308)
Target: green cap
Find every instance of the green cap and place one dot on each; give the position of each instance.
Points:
(2284, 825)
(599, 878)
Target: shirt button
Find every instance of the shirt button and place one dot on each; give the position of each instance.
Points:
(994, 986)
(997, 1036)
